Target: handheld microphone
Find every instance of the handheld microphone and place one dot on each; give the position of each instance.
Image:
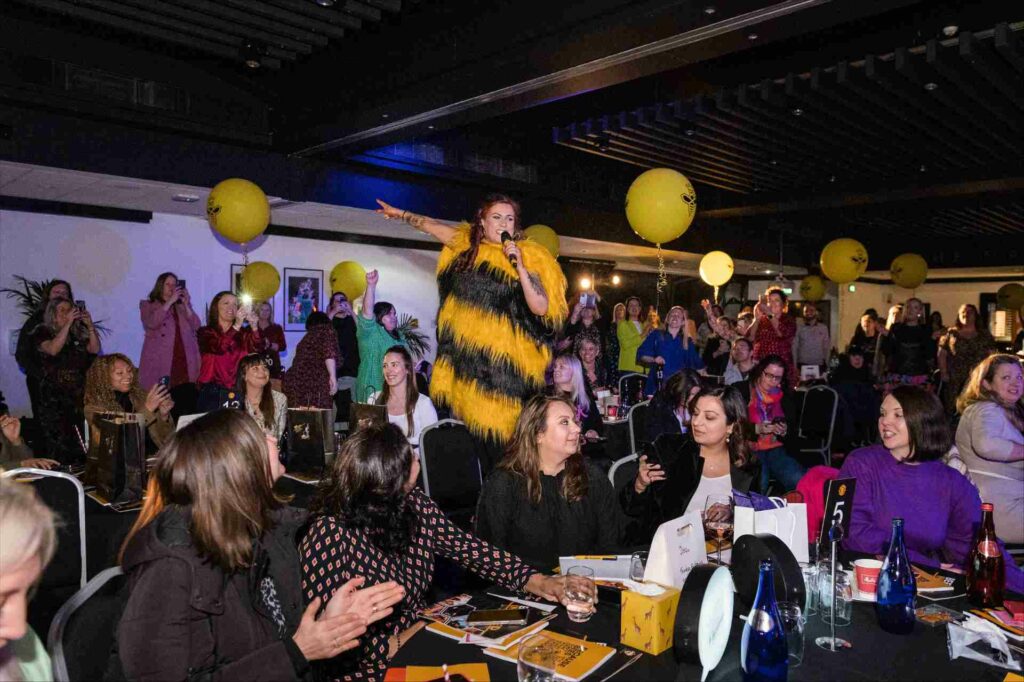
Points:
(506, 237)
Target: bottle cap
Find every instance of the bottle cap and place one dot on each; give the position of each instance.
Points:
(986, 506)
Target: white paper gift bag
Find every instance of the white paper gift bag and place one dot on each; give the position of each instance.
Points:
(787, 521)
(677, 547)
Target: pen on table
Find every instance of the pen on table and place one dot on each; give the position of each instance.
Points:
(596, 557)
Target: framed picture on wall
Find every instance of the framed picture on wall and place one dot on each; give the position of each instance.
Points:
(303, 294)
(235, 285)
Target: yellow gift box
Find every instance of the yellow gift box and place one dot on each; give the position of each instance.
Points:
(648, 622)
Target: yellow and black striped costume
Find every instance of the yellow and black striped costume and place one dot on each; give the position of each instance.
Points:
(491, 350)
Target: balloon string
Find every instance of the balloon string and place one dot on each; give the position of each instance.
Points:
(245, 255)
(662, 278)
(716, 293)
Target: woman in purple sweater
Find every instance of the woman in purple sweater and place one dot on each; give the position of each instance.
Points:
(905, 477)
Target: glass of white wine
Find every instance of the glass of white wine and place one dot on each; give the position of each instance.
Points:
(718, 521)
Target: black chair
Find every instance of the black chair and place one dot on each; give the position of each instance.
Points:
(638, 424)
(83, 631)
(818, 422)
(623, 471)
(66, 574)
(450, 469)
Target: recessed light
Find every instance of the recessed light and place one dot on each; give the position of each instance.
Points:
(767, 272)
(930, 86)
(709, 11)
(798, 111)
(923, 168)
(430, 127)
(752, 36)
(950, 31)
(325, 3)
(831, 178)
(690, 132)
(185, 198)
(385, 115)
(774, 162)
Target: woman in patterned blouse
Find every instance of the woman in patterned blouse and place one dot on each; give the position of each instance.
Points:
(371, 520)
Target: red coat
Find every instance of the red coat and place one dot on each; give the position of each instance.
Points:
(158, 346)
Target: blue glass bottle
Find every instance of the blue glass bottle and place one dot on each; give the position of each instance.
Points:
(897, 588)
(764, 655)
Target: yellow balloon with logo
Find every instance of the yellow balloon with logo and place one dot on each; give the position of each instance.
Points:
(238, 210)
(716, 268)
(660, 205)
(348, 277)
(260, 280)
(545, 236)
(844, 260)
(1010, 296)
(812, 288)
(908, 270)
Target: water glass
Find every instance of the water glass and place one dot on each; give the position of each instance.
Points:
(810, 589)
(580, 593)
(793, 623)
(637, 566)
(844, 598)
(537, 659)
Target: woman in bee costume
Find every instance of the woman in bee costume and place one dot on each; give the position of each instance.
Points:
(500, 299)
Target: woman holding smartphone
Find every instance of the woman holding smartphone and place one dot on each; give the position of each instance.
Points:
(222, 343)
(170, 348)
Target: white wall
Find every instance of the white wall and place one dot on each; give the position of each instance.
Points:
(112, 266)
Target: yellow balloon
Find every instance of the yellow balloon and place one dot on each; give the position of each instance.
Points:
(348, 277)
(260, 280)
(908, 270)
(660, 205)
(812, 288)
(1010, 296)
(238, 210)
(844, 260)
(545, 236)
(716, 268)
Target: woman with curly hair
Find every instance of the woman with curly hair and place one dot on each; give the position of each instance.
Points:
(545, 500)
(370, 519)
(112, 385)
(964, 345)
(501, 298)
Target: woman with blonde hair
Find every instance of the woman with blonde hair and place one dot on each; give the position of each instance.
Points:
(27, 543)
(990, 438)
(545, 500)
(213, 569)
(112, 385)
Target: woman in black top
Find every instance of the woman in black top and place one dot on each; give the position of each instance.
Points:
(909, 347)
(676, 485)
(669, 411)
(544, 501)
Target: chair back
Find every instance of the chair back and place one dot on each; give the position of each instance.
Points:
(818, 415)
(449, 466)
(638, 424)
(623, 471)
(64, 494)
(83, 631)
(631, 389)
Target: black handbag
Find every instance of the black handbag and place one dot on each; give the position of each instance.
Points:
(116, 463)
(310, 440)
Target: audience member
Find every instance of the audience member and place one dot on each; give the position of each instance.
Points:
(376, 331)
(370, 519)
(717, 346)
(964, 345)
(568, 381)
(904, 477)
(169, 347)
(990, 438)
(860, 401)
(611, 342)
(14, 452)
(708, 327)
(938, 328)
(252, 384)
(27, 543)
(273, 333)
(544, 500)
(744, 321)
(27, 353)
(213, 571)
(67, 344)
(668, 350)
(595, 371)
(773, 332)
(343, 319)
(908, 347)
(584, 318)
(222, 343)
(312, 380)
(866, 338)
(112, 385)
(741, 361)
(812, 344)
(769, 412)
(669, 409)
(630, 334)
(714, 462)
(408, 409)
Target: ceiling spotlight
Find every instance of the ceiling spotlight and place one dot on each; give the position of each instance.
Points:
(430, 127)
(325, 3)
(616, 280)
(923, 168)
(585, 283)
(709, 11)
(767, 272)
(185, 198)
(930, 86)
(775, 162)
(950, 31)
(752, 36)
(831, 178)
(385, 115)
(690, 132)
(798, 111)
(251, 54)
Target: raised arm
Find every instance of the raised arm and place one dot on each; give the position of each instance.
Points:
(370, 295)
(435, 228)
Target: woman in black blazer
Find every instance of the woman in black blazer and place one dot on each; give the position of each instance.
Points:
(714, 461)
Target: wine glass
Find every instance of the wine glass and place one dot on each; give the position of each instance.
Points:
(638, 565)
(718, 520)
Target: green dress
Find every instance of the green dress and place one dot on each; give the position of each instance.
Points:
(630, 339)
(374, 342)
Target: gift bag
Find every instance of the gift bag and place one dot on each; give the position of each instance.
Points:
(755, 513)
(310, 439)
(116, 463)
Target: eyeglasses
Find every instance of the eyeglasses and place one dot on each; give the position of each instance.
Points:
(774, 377)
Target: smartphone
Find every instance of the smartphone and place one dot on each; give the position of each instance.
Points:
(80, 304)
(181, 284)
(588, 300)
(497, 617)
(164, 381)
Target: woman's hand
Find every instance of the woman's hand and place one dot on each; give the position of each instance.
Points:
(370, 604)
(333, 384)
(510, 248)
(156, 396)
(388, 211)
(548, 587)
(73, 317)
(11, 427)
(372, 277)
(166, 406)
(647, 474)
(40, 463)
(328, 636)
(239, 316)
(253, 318)
(659, 361)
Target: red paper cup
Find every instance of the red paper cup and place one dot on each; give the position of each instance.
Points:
(613, 411)
(866, 571)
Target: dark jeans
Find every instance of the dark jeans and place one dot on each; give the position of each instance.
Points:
(777, 464)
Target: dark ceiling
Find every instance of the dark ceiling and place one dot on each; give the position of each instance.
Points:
(816, 118)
